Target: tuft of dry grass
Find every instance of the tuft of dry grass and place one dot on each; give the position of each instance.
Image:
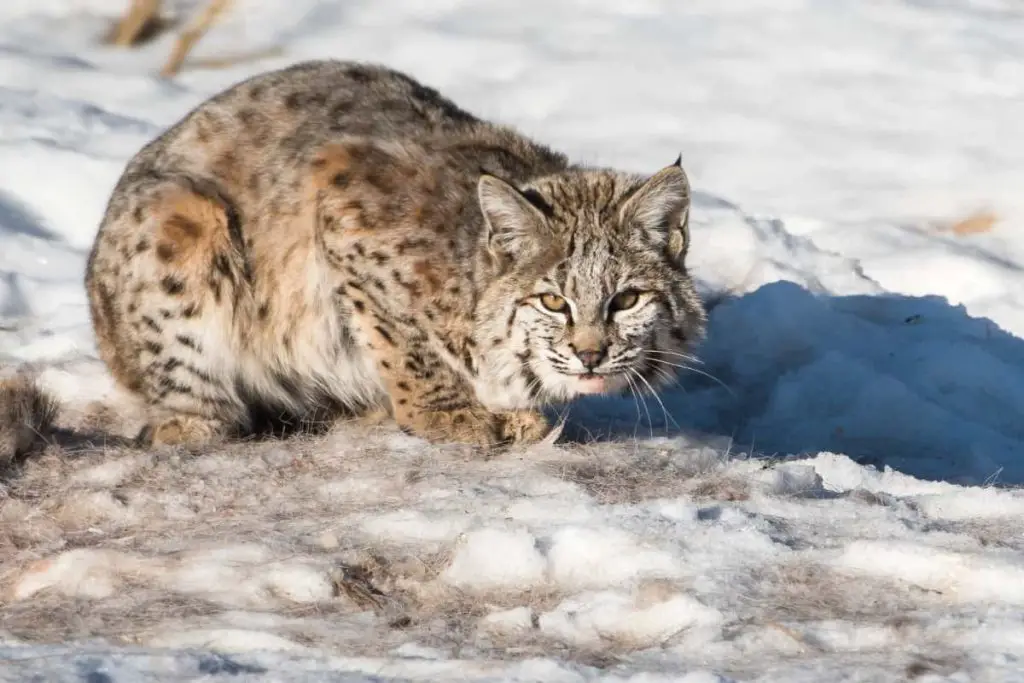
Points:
(143, 22)
(647, 474)
(809, 592)
(53, 618)
(27, 415)
(974, 223)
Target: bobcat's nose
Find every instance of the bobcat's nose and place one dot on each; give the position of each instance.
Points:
(591, 358)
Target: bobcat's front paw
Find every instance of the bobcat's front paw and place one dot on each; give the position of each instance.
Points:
(480, 427)
(523, 426)
(474, 426)
(181, 430)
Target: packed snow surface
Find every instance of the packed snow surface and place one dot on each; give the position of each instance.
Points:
(831, 496)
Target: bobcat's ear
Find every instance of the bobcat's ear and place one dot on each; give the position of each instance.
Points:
(515, 225)
(661, 208)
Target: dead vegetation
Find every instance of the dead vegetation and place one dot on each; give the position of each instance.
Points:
(974, 223)
(144, 20)
(802, 592)
(26, 416)
(52, 618)
(650, 474)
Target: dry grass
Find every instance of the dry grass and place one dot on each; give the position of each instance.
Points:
(977, 222)
(26, 415)
(649, 473)
(143, 21)
(805, 592)
(52, 618)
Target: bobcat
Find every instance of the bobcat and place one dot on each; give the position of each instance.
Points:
(337, 238)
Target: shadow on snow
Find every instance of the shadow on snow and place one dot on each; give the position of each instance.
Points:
(912, 383)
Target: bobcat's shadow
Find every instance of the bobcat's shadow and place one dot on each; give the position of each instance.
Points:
(907, 382)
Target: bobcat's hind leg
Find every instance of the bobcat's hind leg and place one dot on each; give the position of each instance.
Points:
(167, 288)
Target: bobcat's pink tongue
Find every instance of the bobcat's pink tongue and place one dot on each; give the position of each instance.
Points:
(593, 384)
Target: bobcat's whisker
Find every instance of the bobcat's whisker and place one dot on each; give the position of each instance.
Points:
(684, 356)
(696, 371)
(668, 418)
(637, 400)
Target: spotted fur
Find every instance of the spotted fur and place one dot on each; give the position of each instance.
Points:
(339, 238)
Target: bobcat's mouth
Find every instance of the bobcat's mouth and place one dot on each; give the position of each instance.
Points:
(591, 383)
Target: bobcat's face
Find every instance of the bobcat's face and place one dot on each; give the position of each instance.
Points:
(598, 298)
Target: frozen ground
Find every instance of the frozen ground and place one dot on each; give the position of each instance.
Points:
(858, 168)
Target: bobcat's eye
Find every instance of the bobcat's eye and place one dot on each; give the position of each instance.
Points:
(624, 300)
(553, 303)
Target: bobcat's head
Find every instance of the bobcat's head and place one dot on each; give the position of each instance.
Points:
(590, 294)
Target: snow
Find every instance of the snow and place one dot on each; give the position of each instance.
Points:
(833, 495)
(493, 559)
(592, 619)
